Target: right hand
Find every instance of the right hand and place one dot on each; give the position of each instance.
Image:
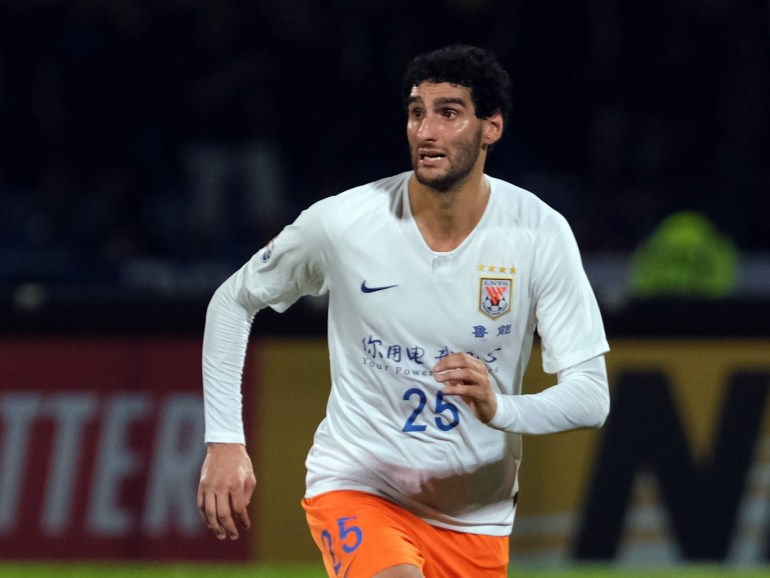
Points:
(224, 492)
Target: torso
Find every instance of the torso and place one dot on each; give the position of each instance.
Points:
(397, 307)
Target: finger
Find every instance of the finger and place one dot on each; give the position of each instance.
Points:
(460, 361)
(464, 390)
(218, 515)
(240, 508)
(225, 518)
(243, 518)
(212, 516)
(464, 375)
(201, 502)
(452, 361)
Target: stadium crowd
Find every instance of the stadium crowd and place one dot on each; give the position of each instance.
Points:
(140, 130)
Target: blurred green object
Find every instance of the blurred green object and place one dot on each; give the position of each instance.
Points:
(686, 256)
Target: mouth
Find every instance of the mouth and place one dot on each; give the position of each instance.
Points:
(431, 156)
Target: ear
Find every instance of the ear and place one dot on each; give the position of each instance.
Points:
(493, 129)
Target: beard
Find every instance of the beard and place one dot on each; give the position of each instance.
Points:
(461, 162)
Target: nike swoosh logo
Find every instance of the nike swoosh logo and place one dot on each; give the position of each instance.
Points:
(365, 289)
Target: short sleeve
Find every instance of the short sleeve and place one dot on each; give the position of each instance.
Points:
(567, 314)
(291, 265)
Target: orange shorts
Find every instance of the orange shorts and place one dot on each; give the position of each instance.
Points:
(360, 534)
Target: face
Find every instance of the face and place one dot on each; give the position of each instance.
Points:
(445, 136)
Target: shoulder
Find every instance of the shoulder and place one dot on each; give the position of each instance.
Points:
(368, 200)
(381, 191)
(525, 209)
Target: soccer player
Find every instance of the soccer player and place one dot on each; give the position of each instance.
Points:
(438, 279)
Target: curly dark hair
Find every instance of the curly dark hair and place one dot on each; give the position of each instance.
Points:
(469, 66)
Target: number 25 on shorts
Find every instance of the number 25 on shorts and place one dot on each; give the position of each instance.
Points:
(350, 537)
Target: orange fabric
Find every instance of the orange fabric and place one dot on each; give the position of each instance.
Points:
(360, 534)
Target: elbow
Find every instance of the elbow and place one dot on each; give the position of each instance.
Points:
(600, 388)
(602, 409)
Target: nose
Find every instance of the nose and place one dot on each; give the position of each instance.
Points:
(426, 129)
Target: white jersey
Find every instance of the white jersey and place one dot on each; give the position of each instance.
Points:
(396, 307)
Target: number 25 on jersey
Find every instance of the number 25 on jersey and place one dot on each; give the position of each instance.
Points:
(446, 414)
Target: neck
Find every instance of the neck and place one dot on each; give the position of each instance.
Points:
(446, 218)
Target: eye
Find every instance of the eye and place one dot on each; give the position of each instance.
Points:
(415, 112)
(449, 113)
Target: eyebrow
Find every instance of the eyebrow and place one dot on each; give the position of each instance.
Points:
(443, 101)
(450, 100)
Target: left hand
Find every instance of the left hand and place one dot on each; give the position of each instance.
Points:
(468, 377)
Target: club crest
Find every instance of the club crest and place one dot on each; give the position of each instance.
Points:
(495, 296)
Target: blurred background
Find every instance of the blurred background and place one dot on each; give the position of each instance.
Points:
(148, 148)
(153, 146)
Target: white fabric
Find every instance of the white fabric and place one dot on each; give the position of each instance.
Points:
(387, 430)
(579, 399)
